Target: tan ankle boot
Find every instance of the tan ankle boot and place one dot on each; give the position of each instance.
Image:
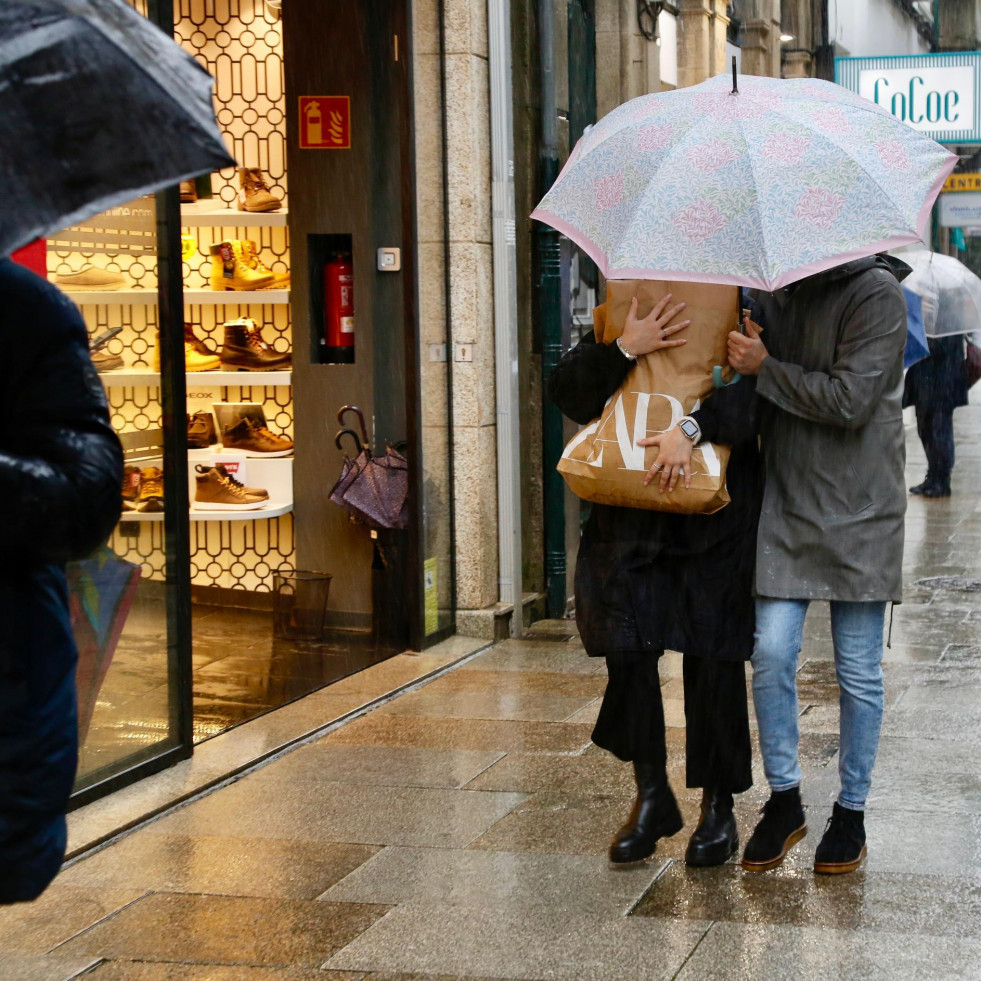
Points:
(230, 269)
(254, 193)
(250, 253)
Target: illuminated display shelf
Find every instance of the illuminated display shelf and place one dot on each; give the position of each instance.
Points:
(120, 377)
(205, 214)
(272, 510)
(214, 298)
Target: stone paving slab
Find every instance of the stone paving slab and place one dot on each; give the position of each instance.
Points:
(547, 944)
(341, 813)
(44, 967)
(126, 970)
(488, 704)
(227, 930)
(219, 865)
(509, 880)
(60, 913)
(872, 901)
(733, 952)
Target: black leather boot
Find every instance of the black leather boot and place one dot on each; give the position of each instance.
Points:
(654, 815)
(716, 838)
(245, 350)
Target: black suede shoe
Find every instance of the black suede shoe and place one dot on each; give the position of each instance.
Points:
(936, 490)
(781, 828)
(842, 848)
(716, 839)
(920, 488)
(654, 815)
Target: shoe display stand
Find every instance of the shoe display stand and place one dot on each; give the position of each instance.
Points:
(203, 297)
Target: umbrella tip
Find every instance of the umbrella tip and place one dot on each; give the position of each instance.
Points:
(735, 87)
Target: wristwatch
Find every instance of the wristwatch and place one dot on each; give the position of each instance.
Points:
(691, 429)
(624, 351)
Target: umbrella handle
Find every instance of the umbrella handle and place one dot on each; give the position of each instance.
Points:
(717, 377)
(348, 432)
(344, 409)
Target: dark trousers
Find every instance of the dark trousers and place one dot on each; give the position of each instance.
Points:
(718, 751)
(935, 427)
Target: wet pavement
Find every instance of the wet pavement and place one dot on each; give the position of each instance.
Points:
(460, 830)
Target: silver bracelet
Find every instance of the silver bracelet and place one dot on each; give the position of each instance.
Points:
(624, 351)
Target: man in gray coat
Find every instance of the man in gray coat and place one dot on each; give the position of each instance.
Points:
(830, 381)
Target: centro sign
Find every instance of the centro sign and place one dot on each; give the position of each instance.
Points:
(934, 100)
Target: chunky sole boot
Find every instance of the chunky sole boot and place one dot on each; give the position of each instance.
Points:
(716, 839)
(842, 848)
(655, 815)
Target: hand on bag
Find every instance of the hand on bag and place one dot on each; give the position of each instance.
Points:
(652, 333)
(673, 461)
(746, 351)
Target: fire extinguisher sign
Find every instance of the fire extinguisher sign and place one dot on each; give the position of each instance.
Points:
(325, 122)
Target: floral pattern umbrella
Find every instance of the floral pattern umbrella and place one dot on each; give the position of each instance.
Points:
(758, 187)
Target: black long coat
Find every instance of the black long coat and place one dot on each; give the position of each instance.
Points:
(938, 382)
(60, 475)
(650, 580)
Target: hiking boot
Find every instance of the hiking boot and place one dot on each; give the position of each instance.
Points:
(254, 193)
(90, 277)
(199, 345)
(132, 478)
(259, 492)
(214, 491)
(716, 839)
(201, 432)
(245, 350)
(231, 271)
(253, 439)
(842, 847)
(151, 490)
(782, 827)
(250, 253)
(189, 191)
(193, 361)
(654, 815)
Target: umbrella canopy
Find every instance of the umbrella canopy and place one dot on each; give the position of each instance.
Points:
(759, 187)
(97, 107)
(949, 292)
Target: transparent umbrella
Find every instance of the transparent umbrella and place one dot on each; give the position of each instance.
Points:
(949, 292)
(97, 107)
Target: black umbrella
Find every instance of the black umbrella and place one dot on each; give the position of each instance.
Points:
(97, 106)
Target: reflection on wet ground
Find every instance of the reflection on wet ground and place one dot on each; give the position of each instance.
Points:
(240, 671)
(460, 831)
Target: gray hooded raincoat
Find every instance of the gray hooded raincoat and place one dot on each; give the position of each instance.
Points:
(832, 434)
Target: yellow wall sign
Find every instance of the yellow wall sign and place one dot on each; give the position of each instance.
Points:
(963, 182)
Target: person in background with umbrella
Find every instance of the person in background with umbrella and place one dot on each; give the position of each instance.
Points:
(936, 386)
(829, 382)
(647, 581)
(97, 107)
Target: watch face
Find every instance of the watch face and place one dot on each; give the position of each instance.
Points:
(688, 428)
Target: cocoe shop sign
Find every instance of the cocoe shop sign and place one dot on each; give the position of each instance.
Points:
(937, 95)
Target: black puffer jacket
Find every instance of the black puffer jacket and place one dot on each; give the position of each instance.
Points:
(649, 580)
(60, 475)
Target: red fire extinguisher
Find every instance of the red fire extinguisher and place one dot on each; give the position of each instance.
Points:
(339, 310)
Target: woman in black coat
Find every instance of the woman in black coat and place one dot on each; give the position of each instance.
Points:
(647, 581)
(60, 477)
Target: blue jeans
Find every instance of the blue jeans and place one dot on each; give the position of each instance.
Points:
(856, 629)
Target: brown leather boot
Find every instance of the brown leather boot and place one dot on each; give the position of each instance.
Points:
(245, 350)
(254, 193)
